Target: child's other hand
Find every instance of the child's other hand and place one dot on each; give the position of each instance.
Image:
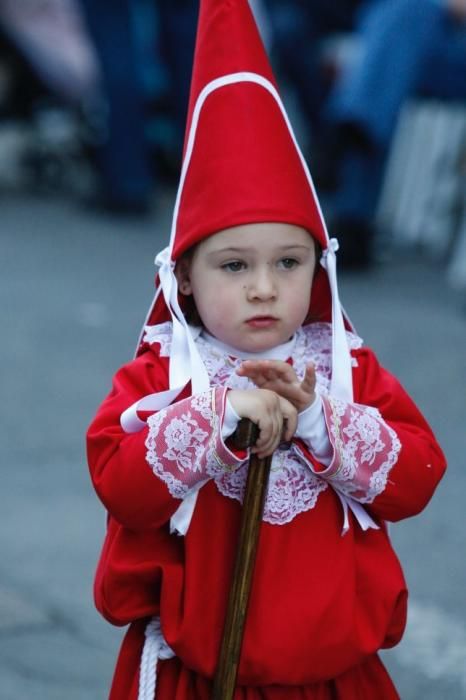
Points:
(276, 418)
(281, 378)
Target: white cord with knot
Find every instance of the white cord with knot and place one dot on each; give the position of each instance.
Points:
(155, 648)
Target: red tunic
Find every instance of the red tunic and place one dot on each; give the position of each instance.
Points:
(322, 603)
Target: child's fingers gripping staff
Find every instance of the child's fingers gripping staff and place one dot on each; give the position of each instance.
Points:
(275, 416)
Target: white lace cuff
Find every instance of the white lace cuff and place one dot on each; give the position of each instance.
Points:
(185, 445)
(365, 449)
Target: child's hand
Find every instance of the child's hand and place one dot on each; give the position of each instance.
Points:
(276, 418)
(281, 378)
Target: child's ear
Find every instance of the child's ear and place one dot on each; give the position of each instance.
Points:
(182, 274)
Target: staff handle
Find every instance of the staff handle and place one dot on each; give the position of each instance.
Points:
(253, 506)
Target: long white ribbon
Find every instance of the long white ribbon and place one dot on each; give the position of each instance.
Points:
(185, 361)
(181, 518)
(188, 365)
(362, 516)
(341, 385)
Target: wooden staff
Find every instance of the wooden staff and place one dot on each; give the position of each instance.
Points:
(253, 506)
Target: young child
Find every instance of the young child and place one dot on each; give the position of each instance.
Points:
(247, 322)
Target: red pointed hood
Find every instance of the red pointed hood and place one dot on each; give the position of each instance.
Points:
(244, 166)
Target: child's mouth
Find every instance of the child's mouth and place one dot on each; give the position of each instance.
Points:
(262, 321)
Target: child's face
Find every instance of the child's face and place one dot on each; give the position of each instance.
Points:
(251, 284)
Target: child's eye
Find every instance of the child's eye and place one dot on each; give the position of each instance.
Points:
(234, 266)
(288, 263)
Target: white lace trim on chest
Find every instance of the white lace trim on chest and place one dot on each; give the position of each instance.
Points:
(293, 487)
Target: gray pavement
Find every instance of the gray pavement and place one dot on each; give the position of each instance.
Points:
(74, 291)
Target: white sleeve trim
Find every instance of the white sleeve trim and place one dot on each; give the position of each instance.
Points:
(312, 429)
(230, 420)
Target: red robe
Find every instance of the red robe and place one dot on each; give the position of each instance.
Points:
(322, 603)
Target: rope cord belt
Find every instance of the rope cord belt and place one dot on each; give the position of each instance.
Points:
(155, 648)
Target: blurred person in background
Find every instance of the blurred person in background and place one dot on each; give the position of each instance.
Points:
(145, 50)
(48, 72)
(300, 28)
(122, 158)
(178, 20)
(49, 36)
(407, 47)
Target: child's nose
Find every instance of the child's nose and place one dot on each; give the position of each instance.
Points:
(262, 285)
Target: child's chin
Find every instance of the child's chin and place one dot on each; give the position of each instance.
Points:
(260, 342)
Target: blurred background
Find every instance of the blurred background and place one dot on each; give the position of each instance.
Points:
(93, 98)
